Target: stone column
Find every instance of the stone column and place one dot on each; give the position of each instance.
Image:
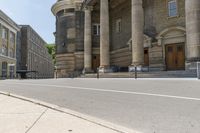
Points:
(104, 37)
(192, 8)
(137, 34)
(88, 41)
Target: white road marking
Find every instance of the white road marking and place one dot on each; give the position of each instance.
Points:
(113, 91)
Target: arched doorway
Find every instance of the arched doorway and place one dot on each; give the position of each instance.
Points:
(173, 42)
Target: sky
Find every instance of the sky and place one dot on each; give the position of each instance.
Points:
(36, 13)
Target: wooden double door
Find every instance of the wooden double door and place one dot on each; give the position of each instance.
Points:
(175, 56)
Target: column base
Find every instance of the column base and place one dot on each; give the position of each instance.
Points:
(87, 70)
(191, 66)
(138, 68)
(105, 69)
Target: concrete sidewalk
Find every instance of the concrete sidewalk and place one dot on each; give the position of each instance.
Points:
(18, 116)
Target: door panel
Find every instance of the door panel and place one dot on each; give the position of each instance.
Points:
(95, 62)
(170, 57)
(175, 57)
(180, 57)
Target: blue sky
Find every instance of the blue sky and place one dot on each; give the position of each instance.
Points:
(36, 13)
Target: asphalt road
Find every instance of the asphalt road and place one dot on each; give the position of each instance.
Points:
(145, 105)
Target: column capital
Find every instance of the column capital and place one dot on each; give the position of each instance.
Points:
(90, 8)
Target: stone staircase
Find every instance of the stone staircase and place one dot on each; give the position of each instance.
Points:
(152, 74)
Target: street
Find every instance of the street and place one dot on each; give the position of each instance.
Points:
(145, 105)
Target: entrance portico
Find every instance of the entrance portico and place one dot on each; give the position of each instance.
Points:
(111, 24)
(137, 36)
(137, 21)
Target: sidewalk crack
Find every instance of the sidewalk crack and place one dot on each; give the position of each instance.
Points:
(36, 120)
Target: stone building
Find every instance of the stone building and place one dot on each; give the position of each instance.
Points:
(8, 42)
(34, 56)
(154, 35)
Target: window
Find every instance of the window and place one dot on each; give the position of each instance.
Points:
(12, 39)
(12, 53)
(4, 51)
(4, 33)
(118, 25)
(96, 29)
(172, 8)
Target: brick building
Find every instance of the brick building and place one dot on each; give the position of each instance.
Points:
(154, 35)
(8, 43)
(34, 55)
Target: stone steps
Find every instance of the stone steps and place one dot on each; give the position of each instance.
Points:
(155, 74)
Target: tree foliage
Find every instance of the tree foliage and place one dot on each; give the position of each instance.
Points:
(52, 51)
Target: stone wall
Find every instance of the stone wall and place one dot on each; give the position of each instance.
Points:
(79, 30)
(123, 12)
(65, 64)
(66, 31)
(160, 17)
(156, 20)
(121, 57)
(95, 20)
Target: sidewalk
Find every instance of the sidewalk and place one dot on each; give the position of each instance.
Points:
(18, 116)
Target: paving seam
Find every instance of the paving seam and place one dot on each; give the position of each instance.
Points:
(35, 122)
(97, 121)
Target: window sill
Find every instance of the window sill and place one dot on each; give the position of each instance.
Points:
(171, 17)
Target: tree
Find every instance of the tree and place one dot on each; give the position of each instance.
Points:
(52, 51)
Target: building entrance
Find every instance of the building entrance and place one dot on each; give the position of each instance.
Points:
(175, 56)
(146, 57)
(4, 70)
(95, 62)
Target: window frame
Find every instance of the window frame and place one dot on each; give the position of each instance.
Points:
(169, 9)
(97, 27)
(118, 25)
(4, 33)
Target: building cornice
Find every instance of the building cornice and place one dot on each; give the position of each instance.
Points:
(7, 58)
(64, 4)
(6, 19)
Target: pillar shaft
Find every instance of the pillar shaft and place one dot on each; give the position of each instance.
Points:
(192, 8)
(88, 41)
(137, 33)
(104, 35)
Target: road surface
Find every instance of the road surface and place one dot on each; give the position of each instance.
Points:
(145, 105)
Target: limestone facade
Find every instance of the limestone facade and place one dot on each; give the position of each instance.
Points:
(151, 34)
(34, 54)
(8, 44)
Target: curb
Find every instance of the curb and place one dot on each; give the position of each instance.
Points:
(97, 121)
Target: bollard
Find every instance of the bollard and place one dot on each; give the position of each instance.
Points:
(135, 72)
(97, 73)
(198, 70)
